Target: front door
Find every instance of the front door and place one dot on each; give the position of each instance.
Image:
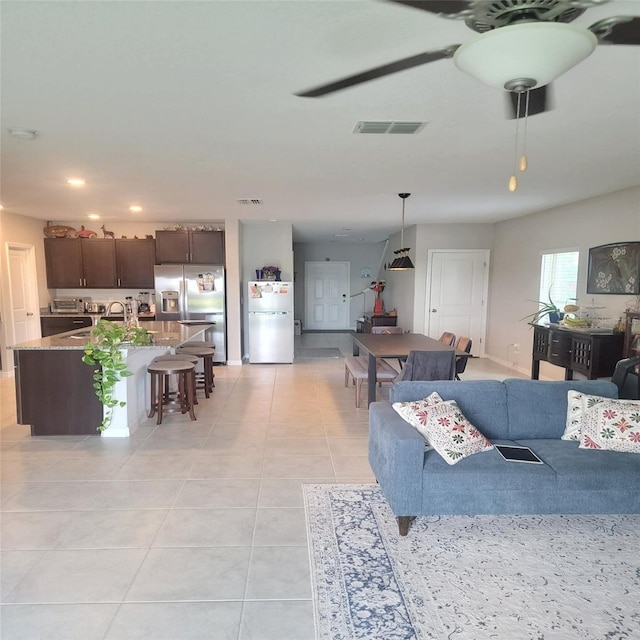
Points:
(458, 286)
(326, 296)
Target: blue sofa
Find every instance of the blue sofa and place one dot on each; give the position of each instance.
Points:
(525, 412)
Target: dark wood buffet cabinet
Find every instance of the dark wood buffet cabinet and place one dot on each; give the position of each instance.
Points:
(591, 353)
(377, 320)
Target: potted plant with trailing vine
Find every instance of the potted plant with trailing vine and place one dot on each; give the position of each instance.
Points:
(105, 350)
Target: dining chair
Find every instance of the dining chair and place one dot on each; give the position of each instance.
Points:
(448, 338)
(626, 376)
(429, 365)
(357, 367)
(463, 343)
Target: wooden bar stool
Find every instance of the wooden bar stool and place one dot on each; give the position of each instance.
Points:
(206, 355)
(208, 345)
(160, 372)
(183, 358)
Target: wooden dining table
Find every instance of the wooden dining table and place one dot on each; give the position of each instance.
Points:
(394, 345)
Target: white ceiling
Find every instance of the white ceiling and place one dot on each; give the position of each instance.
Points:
(185, 107)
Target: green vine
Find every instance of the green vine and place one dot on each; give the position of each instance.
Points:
(105, 351)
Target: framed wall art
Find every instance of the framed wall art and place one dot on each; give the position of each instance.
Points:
(614, 268)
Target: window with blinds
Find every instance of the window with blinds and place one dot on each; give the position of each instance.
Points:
(559, 277)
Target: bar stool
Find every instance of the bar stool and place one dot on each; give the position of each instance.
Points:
(160, 372)
(207, 344)
(183, 358)
(206, 355)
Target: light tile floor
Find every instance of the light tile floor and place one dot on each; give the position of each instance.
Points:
(184, 530)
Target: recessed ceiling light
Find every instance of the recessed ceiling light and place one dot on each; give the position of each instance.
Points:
(93, 216)
(340, 235)
(22, 133)
(135, 208)
(272, 220)
(76, 182)
(347, 228)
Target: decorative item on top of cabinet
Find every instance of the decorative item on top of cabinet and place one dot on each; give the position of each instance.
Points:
(190, 246)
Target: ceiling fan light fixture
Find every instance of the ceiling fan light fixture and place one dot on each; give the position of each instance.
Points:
(542, 51)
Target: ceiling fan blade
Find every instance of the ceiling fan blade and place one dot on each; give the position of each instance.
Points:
(443, 7)
(379, 72)
(539, 101)
(617, 30)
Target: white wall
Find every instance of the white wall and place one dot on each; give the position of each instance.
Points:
(515, 266)
(359, 255)
(407, 289)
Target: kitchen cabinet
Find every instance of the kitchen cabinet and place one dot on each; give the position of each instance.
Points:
(590, 353)
(49, 326)
(187, 246)
(135, 259)
(73, 263)
(54, 393)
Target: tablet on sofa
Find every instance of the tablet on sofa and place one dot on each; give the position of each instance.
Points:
(513, 453)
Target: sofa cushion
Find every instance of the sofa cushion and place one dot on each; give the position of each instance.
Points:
(476, 475)
(613, 425)
(582, 469)
(538, 409)
(483, 402)
(451, 434)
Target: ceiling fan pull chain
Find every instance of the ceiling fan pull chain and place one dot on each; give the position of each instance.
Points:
(513, 181)
(523, 157)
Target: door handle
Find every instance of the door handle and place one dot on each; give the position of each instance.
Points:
(29, 313)
(434, 311)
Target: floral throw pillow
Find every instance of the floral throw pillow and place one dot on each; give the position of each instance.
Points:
(452, 435)
(416, 412)
(577, 404)
(613, 425)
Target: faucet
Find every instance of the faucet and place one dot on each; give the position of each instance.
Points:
(124, 309)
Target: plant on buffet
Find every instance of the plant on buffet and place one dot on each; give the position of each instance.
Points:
(104, 350)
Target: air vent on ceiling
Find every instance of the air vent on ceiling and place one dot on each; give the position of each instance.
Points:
(249, 201)
(380, 126)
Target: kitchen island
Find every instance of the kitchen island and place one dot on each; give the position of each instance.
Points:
(54, 388)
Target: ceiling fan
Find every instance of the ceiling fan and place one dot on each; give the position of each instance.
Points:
(523, 46)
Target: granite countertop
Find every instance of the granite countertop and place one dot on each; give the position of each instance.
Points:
(48, 314)
(165, 334)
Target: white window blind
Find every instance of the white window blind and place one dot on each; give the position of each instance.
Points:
(559, 277)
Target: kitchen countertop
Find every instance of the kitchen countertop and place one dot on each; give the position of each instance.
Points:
(48, 314)
(165, 334)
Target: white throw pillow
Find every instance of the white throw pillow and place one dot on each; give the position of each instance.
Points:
(577, 404)
(613, 425)
(452, 435)
(415, 412)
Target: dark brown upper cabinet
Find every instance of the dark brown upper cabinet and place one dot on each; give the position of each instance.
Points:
(186, 246)
(134, 262)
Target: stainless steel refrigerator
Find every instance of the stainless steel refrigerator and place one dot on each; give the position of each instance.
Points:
(193, 294)
(270, 309)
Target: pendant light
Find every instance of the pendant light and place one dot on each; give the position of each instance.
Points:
(402, 261)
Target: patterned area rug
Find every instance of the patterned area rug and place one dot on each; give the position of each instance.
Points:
(543, 577)
(318, 352)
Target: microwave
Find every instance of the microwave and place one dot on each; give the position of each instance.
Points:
(68, 305)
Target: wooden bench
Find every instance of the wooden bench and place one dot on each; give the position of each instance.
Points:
(357, 367)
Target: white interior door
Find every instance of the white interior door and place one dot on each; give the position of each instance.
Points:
(25, 316)
(457, 293)
(326, 296)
